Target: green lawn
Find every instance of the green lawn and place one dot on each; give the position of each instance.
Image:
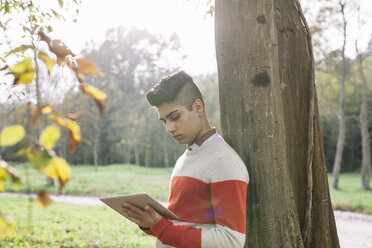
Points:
(108, 180)
(69, 225)
(123, 178)
(350, 195)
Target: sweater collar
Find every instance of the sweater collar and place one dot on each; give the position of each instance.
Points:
(203, 139)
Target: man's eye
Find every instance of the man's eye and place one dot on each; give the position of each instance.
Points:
(175, 117)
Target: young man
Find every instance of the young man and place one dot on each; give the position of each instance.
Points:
(209, 181)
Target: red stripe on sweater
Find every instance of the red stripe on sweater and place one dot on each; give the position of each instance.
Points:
(177, 236)
(221, 203)
(229, 204)
(189, 199)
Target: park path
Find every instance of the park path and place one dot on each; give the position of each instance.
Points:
(354, 229)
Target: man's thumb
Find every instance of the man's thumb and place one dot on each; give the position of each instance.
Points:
(149, 210)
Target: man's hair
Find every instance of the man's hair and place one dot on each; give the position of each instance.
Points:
(178, 87)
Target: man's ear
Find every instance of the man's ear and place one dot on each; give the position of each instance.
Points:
(198, 107)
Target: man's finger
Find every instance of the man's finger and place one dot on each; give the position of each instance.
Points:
(131, 213)
(151, 211)
(133, 208)
(129, 217)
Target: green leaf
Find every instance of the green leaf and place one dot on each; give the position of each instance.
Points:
(11, 135)
(20, 49)
(38, 159)
(60, 3)
(49, 136)
(49, 28)
(56, 14)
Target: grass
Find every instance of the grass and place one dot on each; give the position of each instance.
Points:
(350, 195)
(123, 178)
(109, 180)
(69, 225)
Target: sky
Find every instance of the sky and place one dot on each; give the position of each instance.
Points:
(187, 18)
(194, 27)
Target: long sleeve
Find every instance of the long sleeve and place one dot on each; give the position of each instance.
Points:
(229, 212)
(208, 190)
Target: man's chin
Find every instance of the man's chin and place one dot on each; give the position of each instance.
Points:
(181, 141)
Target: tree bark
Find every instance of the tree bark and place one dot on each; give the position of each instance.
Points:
(95, 145)
(136, 153)
(341, 112)
(165, 151)
(128, 153)
(269, 115)
(366, 141)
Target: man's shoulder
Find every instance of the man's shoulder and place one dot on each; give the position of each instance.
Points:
(223, 150)
(226, 164)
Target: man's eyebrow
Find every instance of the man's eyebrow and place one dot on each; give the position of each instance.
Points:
(169, 114)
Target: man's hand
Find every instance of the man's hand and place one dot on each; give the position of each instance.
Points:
(144, 218)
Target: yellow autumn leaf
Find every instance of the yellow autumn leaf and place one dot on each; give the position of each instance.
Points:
(49, 136)
(93, 92)
(23, 72)
(3, 173)
(49, 62)
(72, 127)
(98, 96)
(2, 187)
(46, 109)
(6, 228)
(43, 198)
(58, 168)
(11, 135)
(6, 172)
(86, 67)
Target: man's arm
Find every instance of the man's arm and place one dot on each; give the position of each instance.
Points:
(228, 188)
(229, 210)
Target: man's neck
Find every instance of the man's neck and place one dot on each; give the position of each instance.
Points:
(204, 135)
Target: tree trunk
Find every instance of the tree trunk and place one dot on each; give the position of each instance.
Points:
(269, 115)
(165, 151)
(128, 153)
(147, 155)
(341, 113)
(366, 142)
(95, 145)
(136, 154)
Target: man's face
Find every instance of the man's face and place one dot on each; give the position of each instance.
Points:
(183, 125)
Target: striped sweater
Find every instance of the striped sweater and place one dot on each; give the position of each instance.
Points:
(208, 190)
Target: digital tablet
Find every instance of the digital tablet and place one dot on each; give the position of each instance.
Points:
(139, 200)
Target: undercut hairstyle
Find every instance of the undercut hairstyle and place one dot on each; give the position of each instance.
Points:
(178, 87)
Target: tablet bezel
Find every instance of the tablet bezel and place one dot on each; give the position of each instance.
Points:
(139, 200)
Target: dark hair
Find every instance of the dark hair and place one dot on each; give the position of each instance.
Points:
(178, 87)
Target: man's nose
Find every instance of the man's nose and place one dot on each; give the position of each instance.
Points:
(171, 127)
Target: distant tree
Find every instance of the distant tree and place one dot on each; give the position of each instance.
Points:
(366, 140)
(133, 60)
(341, 112)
